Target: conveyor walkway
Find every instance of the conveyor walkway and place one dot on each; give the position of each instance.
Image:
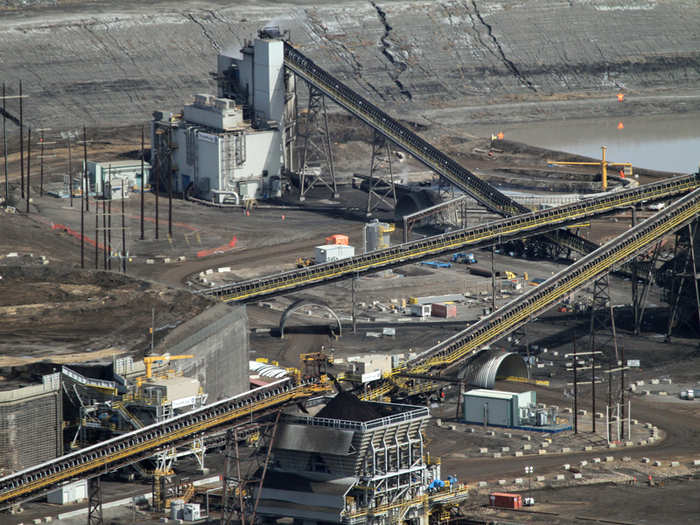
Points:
(144, 442)
(429, 155)
(517, 227)
(451, 352)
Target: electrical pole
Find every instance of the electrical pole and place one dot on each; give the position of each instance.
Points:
(170, 202)
(609, 400)
(109, 219)
(4, 147)
(97, 232)
(21, 140)
(575, 391)
(29, 164)
(123, 234)
(143, 182)
(493, 281)
(41, 165)
(622, 390)
(70, 173)
(593, 387)
(157, 184)
(85, 172)
(82, 228)
(104, 228)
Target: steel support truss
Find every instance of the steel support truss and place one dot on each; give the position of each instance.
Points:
(602, 334)
(95, 501)
(237, 502)
(381, 177)
(684, 273)
(316, 162)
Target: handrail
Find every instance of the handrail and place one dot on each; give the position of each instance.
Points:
(520, 226)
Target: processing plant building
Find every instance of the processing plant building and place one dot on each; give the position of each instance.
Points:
(230, 147)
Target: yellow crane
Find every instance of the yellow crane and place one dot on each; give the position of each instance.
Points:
(603, 164)
(165, 358)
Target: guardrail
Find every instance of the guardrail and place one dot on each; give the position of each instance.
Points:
(528, 224)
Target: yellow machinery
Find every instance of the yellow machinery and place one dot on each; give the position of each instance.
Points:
(149, 360)
(603, 164)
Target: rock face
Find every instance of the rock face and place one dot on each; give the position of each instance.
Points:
(113, 63)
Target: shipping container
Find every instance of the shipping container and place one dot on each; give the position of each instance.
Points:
(443, 310)
(338, 239)
(506, 500)
(333, 252)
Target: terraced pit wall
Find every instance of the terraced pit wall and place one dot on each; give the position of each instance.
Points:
(113, 63)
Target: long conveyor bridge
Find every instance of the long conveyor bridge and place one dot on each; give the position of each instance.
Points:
(136, 445)
(452, 352)
(517, 227)
(423, 151)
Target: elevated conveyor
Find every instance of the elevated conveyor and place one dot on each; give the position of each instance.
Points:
(518, 227)
(452, 352)
(134, 446)
(429, 155)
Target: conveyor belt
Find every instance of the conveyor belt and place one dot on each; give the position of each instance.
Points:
(429, 155)
(425, 152)
(525, 225)
(453, 351)
(144, 442)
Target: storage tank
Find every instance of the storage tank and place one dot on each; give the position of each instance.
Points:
(377, 235)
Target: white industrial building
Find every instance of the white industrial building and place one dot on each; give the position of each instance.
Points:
(107, 178)
(230, 147)
(499, 408)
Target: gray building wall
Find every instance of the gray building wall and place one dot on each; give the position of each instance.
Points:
(31, 429)
(218, 338)
(498, 411)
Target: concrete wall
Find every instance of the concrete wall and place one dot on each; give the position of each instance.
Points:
(218, 338)
(31, 428)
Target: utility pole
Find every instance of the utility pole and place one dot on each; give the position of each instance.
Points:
(4, 147)
(82, 228)
(104, 229)
(70, 173)
(85, 172)
(109, 220)
(354, 311)
(21, 140)
(143, 182)
(493, 281)
(575, 391)
(97, 233)
(622, 390)
(593, 388)
(153, 152)
(29, 163)
(170, 202)
(41, 165)
(609, 400)
(123, 234)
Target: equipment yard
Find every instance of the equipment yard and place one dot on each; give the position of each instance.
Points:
(396, 262)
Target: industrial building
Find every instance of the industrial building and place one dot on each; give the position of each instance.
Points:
(106, 179)
(353, 462)
(31, 423)
(233, 147)
(498, 408)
